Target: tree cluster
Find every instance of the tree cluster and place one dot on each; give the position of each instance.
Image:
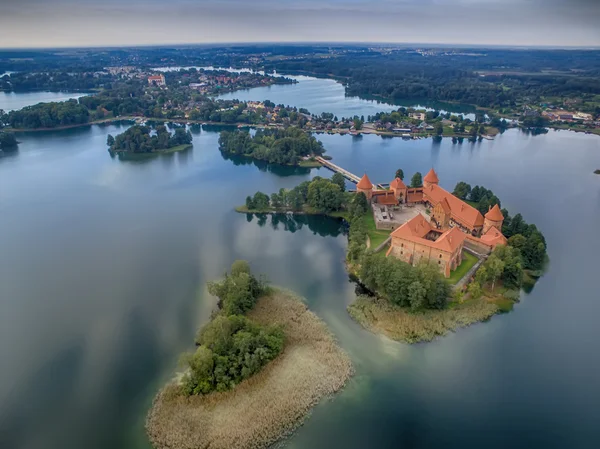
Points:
(140, 139)
(48, 115)
(420, 287)
(8, 141)
(321, 194)
(231, 348)
(484, 198)
(505, 264)
(277, 146)
(525, 237)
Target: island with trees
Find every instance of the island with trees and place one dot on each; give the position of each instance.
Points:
(413, 303)
(290, 146)
(140, 139)
(260, 365)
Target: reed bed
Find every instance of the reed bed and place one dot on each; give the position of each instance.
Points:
(266, 407)
(381, 317)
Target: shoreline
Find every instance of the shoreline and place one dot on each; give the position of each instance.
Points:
(340, 131)
(268, 406)
(380, 317)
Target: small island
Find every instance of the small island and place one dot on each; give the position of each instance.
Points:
(260, 365)
(140, 140)
(291, 146)
(597, 171)
(426, 261)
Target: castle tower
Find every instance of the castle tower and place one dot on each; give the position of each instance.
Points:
(365, 186)
(493, 218)
(431, 178)
(400, 190)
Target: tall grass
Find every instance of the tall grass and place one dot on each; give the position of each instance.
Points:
(267, 406)
(379, 316)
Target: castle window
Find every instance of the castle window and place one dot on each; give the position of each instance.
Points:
(439, 262)
(440, 256)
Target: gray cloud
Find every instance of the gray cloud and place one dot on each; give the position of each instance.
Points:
(26, 23)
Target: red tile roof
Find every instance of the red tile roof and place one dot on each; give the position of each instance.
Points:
(397, 184)
(364, 183)
(431, 177)
(493, 237)
(494, 214)
(461, 212)
(417, 228)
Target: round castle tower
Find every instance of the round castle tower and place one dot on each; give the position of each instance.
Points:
(365, 186)
(430, 178)
(493, 219)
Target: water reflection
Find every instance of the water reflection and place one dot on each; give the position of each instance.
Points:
(317, 224)
(263, 166)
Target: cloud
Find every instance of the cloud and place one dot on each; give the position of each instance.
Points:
(137, 22)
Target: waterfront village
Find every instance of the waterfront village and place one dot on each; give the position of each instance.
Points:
(431, 224)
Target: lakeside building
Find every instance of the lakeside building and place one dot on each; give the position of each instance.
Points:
(157, 80)
(452, 224)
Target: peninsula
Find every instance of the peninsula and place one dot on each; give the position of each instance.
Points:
(261, 364)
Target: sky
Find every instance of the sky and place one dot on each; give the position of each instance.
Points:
(80, 23)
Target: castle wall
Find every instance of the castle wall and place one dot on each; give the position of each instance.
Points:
(413, 253)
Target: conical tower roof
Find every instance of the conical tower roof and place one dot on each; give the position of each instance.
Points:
(364, 183)
(431, 177)
(494, 214)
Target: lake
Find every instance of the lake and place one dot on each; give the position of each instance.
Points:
(104, 262)
(319, 95)
(10, 101)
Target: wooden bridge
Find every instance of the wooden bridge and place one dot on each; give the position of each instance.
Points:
(336, 168)
(345, 173)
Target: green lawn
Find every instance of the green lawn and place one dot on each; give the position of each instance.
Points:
(468, 261)
(377, 236)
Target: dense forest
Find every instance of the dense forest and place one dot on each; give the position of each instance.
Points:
(231, 348)
(55, 80)
(277, 146)
(140, 139)
(48, 115)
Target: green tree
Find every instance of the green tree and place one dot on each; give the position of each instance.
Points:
(8, 141)
(358, 123)
(417, 180)
(439, 128)
(400, 174)
(261, 201)
(475, 290)
(339, 179)
(495, 267)
(110, 140)
(462, 190)
(250, 203)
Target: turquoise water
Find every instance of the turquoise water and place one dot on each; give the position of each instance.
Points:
(103, 264)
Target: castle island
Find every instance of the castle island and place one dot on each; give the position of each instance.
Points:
(442, 227)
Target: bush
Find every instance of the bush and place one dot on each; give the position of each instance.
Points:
(232, 348)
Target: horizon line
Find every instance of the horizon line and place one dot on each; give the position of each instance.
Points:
(310, 43)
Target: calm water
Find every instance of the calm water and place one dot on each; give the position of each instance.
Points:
(324, 95)
(102, 274)
(10, 101)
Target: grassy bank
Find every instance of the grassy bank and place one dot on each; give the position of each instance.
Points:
(469, 260)
(381, 317)
(267, 406)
